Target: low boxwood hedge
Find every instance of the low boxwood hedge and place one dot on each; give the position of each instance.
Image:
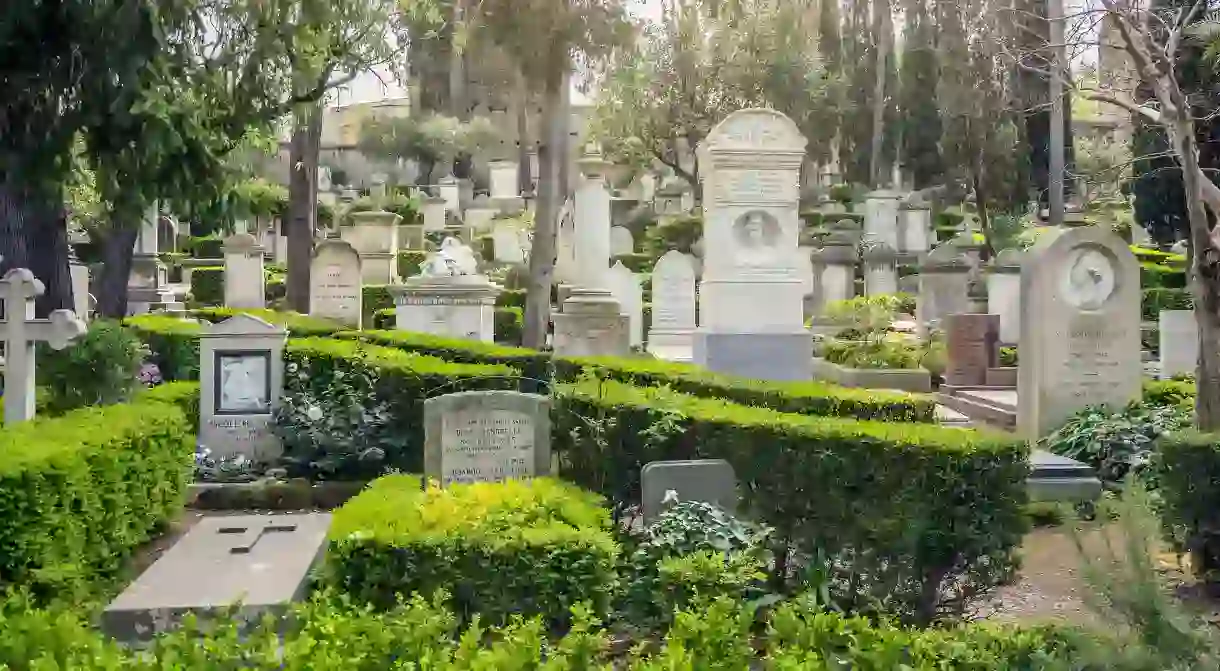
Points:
(1188, 471)
(913, 512)
(499, 549)
(509, 324)
(79, 492)
(404, 380)
(512, 298)
(532, 364)
(208, 285)
(805, 398)
(636, 262)
(375, 297)
(298, 325)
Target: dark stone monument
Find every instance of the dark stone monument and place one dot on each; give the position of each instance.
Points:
(705, 480)
(970, 340)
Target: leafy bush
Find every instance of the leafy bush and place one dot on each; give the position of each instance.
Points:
(409, 263)
(375, 297)
(636, 262)
(207, 247)
(534, 365)
(401, 382)
(1158, 275)
(1155, 299)
(920, 516)
(1008, 357)
(334, 426)
(805, 398)
(1168, 392)
(1115, 443)
(512, 298)
(208, 285)
(1188, 472)
(869, 314)
(184, 395)
(407, 207)
(499, 549)
(680, 233)
(509, 326)
(173, 344)
(99, 368)
(81, 491)
(877, 353)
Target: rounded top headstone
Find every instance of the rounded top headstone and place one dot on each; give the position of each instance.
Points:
(239, 242)
(876, 251)
(755, 129)
(945, 256)
(1008, 261)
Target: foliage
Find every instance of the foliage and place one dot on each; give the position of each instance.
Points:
(884, 353)
(173, 344)
(428, 139)
(298, 325)
(679, 233)
(1116, 443)
(1156, 275)
(873, 314)
(374, 297)
(99, 368)
(1102, 163)
(1008, 356)
(509, 324)
(409, 263)
(920, 113)
(1169, 392)
(1156, 299)
(1187, 467)
(635, 262)
(208, 285)
(206, 247)
(531, 363)
(390, 384)
(912, 546)
(83, 490)
(224, 469)
(518, 547)
(407, 207)
(513, 298)
(258, 198)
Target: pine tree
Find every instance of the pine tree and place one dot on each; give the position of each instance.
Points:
(920, 116)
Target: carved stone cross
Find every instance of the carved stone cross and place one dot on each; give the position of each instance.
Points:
(20, 331)
(249, 537)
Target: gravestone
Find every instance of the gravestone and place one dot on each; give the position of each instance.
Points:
(433, 209)
(881, 217)
(673, 307)
(451, 193)
(914, 228)
(1080, 327)
(506, 243)
(448, 297)
(590, 323)
(503, 179)
(880, 269)
(943, 282)
(241, 376)
(21, 331)
(626, 289)
(621, 241)
(334, 283)
(1179, 342)
(703, 480)
(971, 347)
(752, 295)
(1004, 293)
(486, 436)
(245, 283)
(261, 562)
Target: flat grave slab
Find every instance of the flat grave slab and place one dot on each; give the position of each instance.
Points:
(259, 561)
(1056, 478)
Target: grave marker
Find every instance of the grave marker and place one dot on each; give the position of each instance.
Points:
(334, 283)
(241, 373)
(704, 480)
(244, 278)
(21, 331)
(673, 306)
(486, 436)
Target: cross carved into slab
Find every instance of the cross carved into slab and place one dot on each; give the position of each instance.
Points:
(20, 330)
(249, 538)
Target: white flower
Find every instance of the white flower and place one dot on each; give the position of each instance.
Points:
(670, 498)
(314, 413)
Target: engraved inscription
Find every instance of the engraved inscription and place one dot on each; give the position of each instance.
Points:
(1092, 370)
(756, 186)
(486, 446)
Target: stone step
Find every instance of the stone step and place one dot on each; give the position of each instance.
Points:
(982, 407)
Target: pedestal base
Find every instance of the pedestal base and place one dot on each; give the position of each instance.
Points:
(671, 345)
(783, 356)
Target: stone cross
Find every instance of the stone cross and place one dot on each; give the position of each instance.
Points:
(249, 537)
(21, 330)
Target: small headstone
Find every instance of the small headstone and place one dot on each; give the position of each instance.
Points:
(241, 375)
(21, 331)
(673, 306)
(433, 209)
(486, 436)
(506, 242)
(703, 480)
(621, 241)
(334, 283)
(1179, 342)
(626, 289)
(591, 323)
(260, 562)
(971, 344)
(1080, 327)
(243, 277)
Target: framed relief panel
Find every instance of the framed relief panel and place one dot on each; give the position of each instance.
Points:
(243, 383)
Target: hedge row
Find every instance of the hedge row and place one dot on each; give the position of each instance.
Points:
(322, 634)
(1155, 299)
(79, 492)
(404, 381)
(532, 549)
(208, 285)
(1188, 471)
(532, 364)
(173, 343)
(910, 511)
(1159, 275)
(298, 325)
(509, 323)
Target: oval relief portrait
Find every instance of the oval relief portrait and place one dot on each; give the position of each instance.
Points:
(1088, 278)
(757, 235)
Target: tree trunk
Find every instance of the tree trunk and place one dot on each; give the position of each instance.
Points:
(542, 256)
(29, 239)
(118, 248)
(883, 32)
(525, 177)
(302, 204)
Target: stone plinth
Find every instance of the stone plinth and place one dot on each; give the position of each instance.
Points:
(460, 307)
(943, 282)
(673, 307)
(241, 375)
(914, 229)
(591, 324)
(433, 211)
(971, 345)
(374, 236)
(880, 269)
(245, 282)
(881, 216)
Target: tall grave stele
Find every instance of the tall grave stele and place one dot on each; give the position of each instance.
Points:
(486, 436)
(1080, 327)
(241, 375)
(244, 278)
(751, 296)
(335, 283)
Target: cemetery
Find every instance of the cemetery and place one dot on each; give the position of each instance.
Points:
(516, 388)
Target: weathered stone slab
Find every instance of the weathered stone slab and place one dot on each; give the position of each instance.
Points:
(486, 436)
(705, 480)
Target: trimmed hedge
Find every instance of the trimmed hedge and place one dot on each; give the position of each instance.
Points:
(206, 247)
(298, 325)
(532, 364)
(512, 298)
(208, 285)
(499, 549)
(803, 398)
(183, 394)
(1147, 254)
(1155, 299)
(79, 492)
(509, 326)
(375, 297)
(1188, 471)
(173, 343)
(910, 512)
(404, 381)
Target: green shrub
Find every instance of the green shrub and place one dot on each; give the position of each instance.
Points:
(805, 398)
(914, 513)
(375, 297)
(680, 233)
(384, 319)
(1149, 255)
(1168, 392)
(298, 325)
(81, 491)
(635, 262)
(1157, 275)
(402, 381)
(208, 285)
(1115, 442)
(485, 246)
(173, 344)
(1008, 357)
(875, 353)
(185, 395)
(99, 368)
(1159, 298)
(499, 549)
(532, 364)
(407, 207)
(1187, 467)
(509, 326)
(512, 298)
(409, 263)
(207, 247)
